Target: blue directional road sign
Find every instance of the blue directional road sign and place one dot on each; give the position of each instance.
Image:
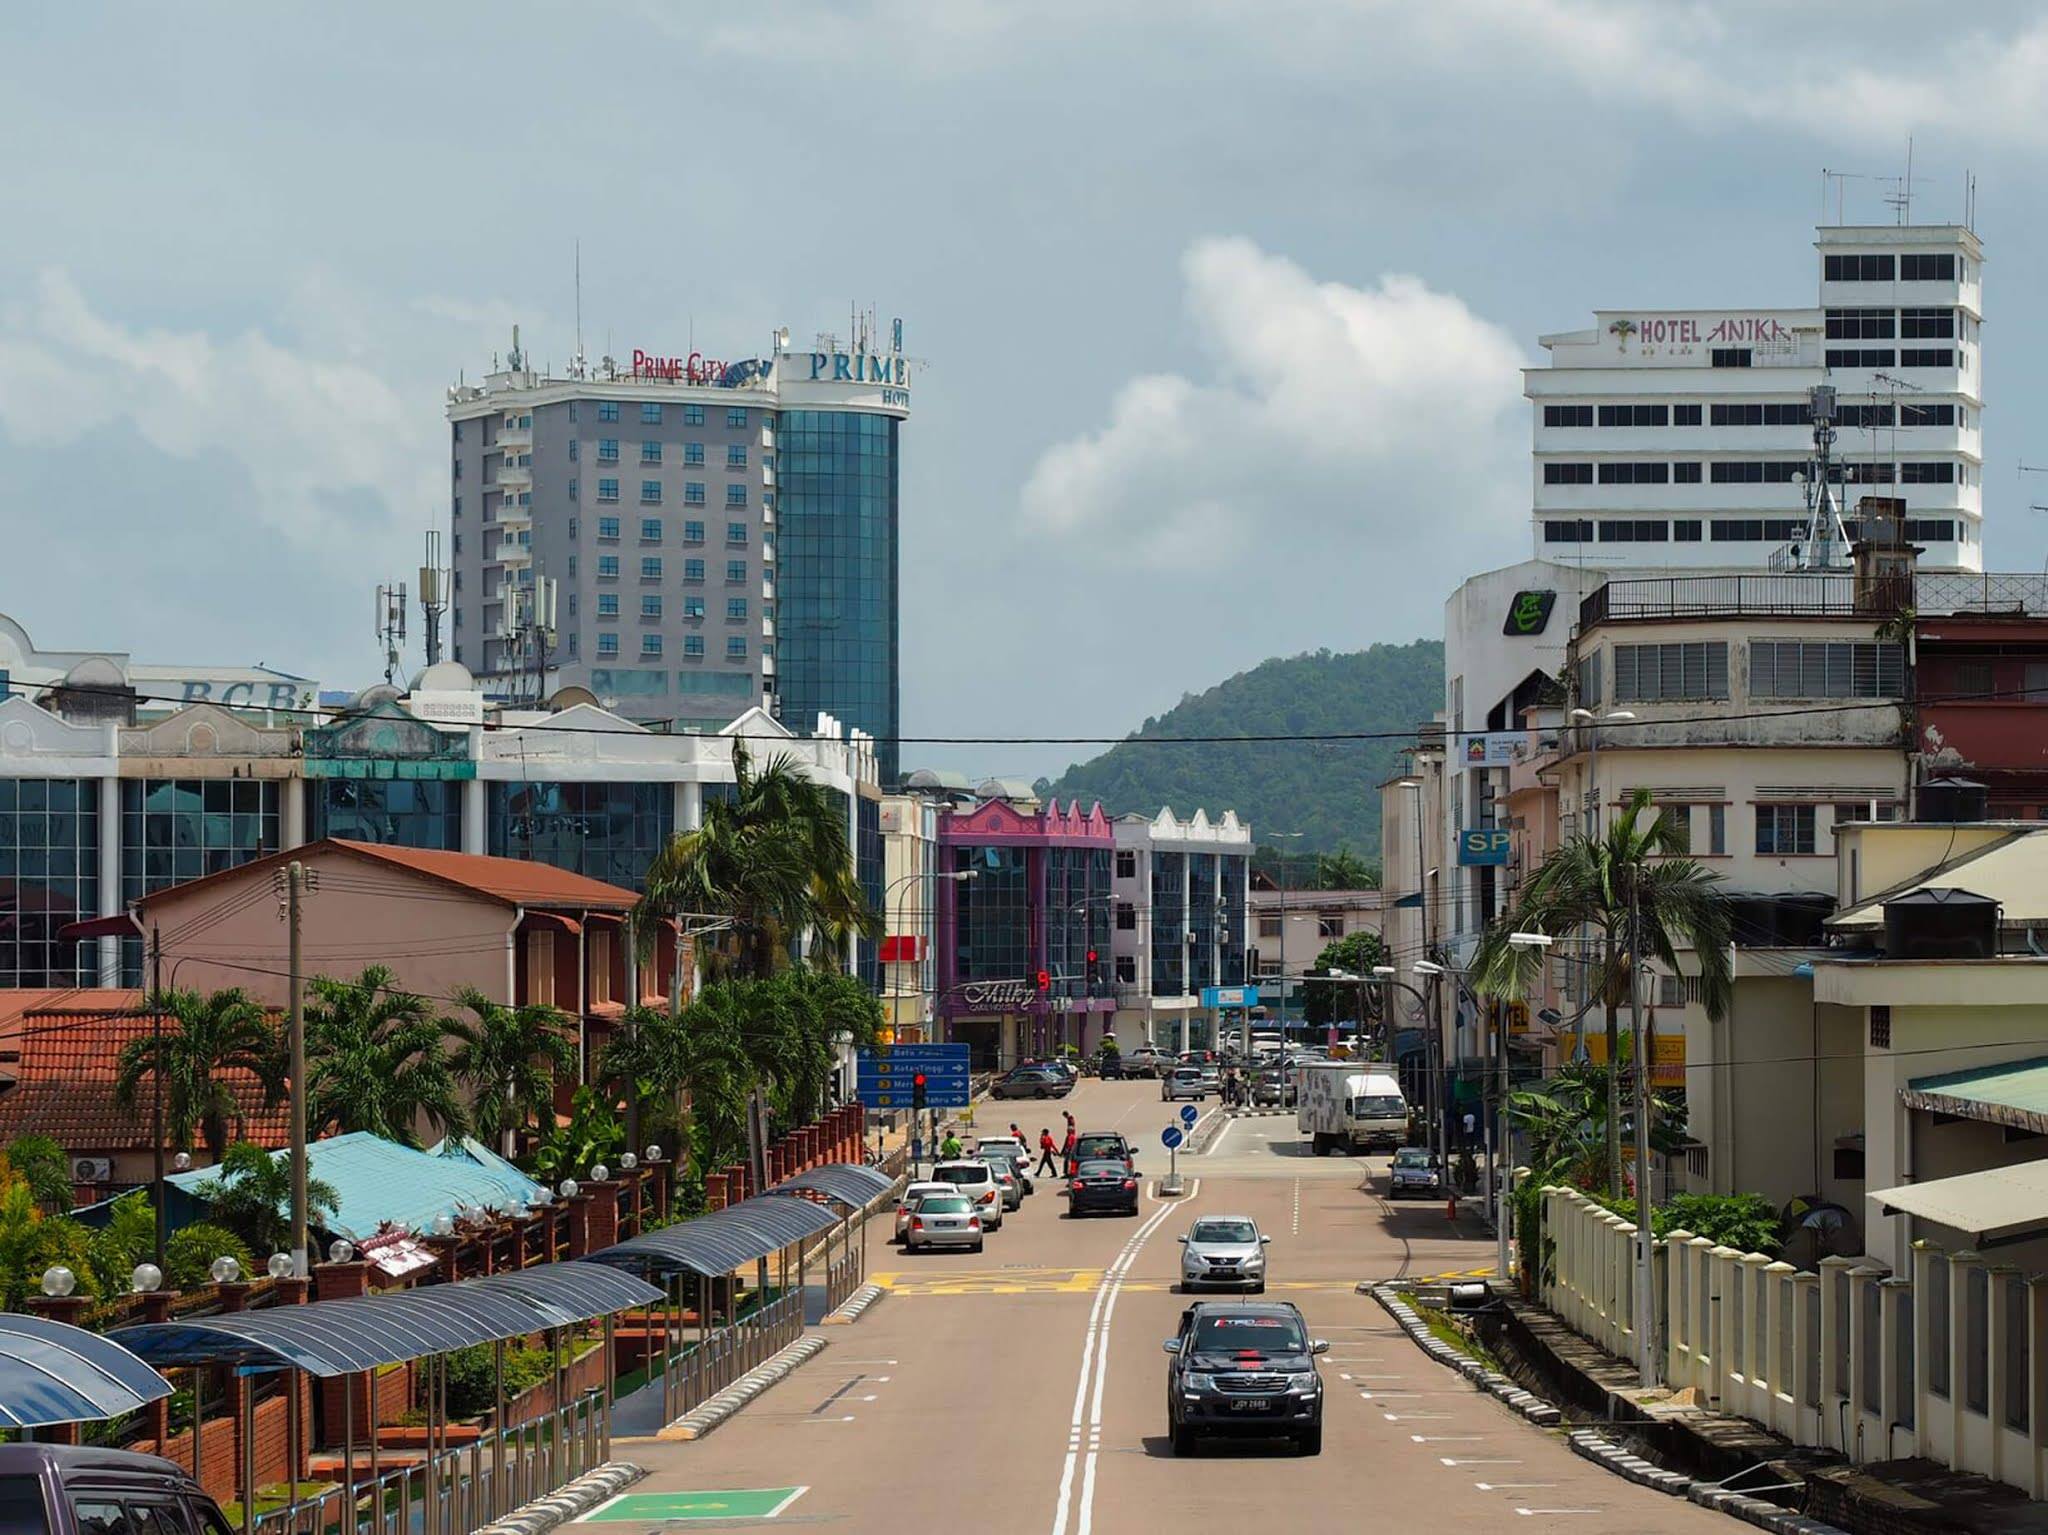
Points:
(1171, 1136)
(883, 1077)
(1189, 1114)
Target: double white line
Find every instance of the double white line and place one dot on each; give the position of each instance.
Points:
(1095, 1369)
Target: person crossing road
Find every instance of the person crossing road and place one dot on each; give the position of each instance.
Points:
(1047, 1167)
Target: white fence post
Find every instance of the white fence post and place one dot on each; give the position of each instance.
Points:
(1679, 1314)
(1835, 1356)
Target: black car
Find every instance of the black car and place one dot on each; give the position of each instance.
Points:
(78, 1490)
(1102, 1185)
(1244, 1368)
(1032, 1082)
(1103, 1145)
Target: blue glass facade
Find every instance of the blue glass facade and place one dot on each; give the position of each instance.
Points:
(836, 614)
(608, 831)
(49, 878)
(396, 812)
(868, 865)
(175, 829)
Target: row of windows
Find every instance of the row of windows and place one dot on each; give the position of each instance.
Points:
(693, 645)
(1780, 829)
(1697, 670)
(1913, 267)
(1885, 357)
(1745, 413)
(1747, 472)
(650, 492)
(651, 531)
(650, 453)
(1884, 324)
(651, 568)
(650, 414)
(650, 606)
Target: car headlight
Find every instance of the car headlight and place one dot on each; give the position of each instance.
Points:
(1195, 1381)
(1305, 1385)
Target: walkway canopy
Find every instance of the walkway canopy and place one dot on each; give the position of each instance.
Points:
(345, 1337)
(847, 1182)
(716, 1244)
(54, 1373)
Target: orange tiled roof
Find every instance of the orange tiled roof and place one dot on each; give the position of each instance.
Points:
(65, 1084)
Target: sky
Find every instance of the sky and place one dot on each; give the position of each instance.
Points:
(1219, 308)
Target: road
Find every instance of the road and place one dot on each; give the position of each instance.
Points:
(1023, 1389)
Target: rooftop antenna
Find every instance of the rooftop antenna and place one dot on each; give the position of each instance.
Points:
(433, 595)
(1839, 178)
(1901, 201)
(579, 308)
(391, 626)
(2036, 506)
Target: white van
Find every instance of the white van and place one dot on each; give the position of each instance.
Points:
(1340, 1106)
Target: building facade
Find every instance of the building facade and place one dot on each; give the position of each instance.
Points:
(1179, 948)
(719, 535)
(1679, 438)
(910, 852)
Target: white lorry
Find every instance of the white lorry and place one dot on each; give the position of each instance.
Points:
(1339, 1106)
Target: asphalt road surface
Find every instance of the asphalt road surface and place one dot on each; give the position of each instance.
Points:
(1023, 1388)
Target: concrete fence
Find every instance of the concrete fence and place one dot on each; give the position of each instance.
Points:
(1949, 1362)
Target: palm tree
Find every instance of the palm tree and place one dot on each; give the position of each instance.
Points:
(1345, 870)
(703, 1051)
(376, 1060)
(773, 860)
(1640, 895)
(206, 1039)
(510, 1059)
(252, 1197)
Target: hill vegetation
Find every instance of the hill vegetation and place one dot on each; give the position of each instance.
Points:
(1326, 790)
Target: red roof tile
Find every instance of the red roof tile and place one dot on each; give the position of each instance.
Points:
(65, 1086)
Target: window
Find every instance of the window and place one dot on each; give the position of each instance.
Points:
(1731, 357)
(1926, 324)
(607, 567)
(1784, 830)
(2012, 1369)
(736, 607)
(1126, 863)
(1567, 415)
(1857, 268)
(1685, 474)
(1567, 474)
(650, 642)
(1635, 415)
(607, 410)
(607, 604)
(1567, 530)
(575, 449)
(650, 414)
(735, 647)
(1692, 669)
(693, 493)
(1329, 924)
(1677, 821)
(608, 450)
(736, 417)
(1927, 474)
(1926, 415)
(1927, 268)
(1589, 679)
(1641, 530)
(650, 452)
(650, 530)
(607, 527)
(693, 532)
(1269, 924)
(693, 570)
(693, 607)
(1759, 413)
(736, 455)
(650, 567)
(693, 453)
(1635, 474)
(1717, 831)
(607, 490)
(1927, 357)
(1825, 669)
(693, 415)
(1687, 529)
(1753, 529)
(693, 645)
(735, 494)
(735, 532)
(650, 605)
(572, 490)
(1864, 415)
(735, 570)
(1685, 415)
(607, 643)
(1126, 917)
(1860, 357)
(1127, 969)
(1753, 471)
(650, 492)
(1861, 324)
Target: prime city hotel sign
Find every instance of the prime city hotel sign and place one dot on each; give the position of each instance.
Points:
(696, 368)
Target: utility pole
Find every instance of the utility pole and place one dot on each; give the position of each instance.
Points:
(156, 1106)
(1646, 1309)
(295, 884)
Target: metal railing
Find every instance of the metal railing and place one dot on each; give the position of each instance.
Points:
(693, 1375)
(1947, 594)
(463, 1489)
(1777, 596)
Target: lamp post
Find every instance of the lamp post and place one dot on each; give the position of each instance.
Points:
(1536, 943)
(1281, 860)
(1388, 975)
(1592, 722)
(1440, 1075)
(902, 912)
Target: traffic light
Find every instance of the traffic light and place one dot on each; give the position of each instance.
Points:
(1091, 956)
(1044, 980)
(917, 1091)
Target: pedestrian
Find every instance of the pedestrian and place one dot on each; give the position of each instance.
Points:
(1069, 1116)
(949, 1148)
(1017, 1135)
(1046, 1166)
(1067, 1152)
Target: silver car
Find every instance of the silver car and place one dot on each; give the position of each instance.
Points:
(1184, 1082)
(1224, 1252)
(910, 1195)
(1004, 1156)
(943, 1220)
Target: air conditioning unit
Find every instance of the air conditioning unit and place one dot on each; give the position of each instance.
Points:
(92, 1169)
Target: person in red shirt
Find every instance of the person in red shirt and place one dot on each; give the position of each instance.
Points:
(1067, 1151)
(1046, 1147)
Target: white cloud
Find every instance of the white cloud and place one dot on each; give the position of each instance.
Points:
(1386, 415)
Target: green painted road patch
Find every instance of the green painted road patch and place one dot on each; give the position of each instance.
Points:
(656, 1507)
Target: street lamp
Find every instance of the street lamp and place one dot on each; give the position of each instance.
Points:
(902, 911)
(1591, 720)
(1282, 864)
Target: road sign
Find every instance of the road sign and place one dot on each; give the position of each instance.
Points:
(1171, 1137)
(929, 1053)
(1189, 1114)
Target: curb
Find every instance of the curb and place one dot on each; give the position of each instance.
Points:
(1597, 1448)
(849, 1310)
(570, 1502)
(696, 1424)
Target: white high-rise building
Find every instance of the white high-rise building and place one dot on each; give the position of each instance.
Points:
(1682, 439)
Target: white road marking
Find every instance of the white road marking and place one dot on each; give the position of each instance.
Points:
(1221, 1136)
(1528, 1511)
(1508, 1486)
(1297, 1207)
(1479, 1460)
(794, 1494)
(607, 1503)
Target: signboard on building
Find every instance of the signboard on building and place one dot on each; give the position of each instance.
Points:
(1667, 1055)
(1529, 613)
(1484, 847)
(1690, 338)
(1494, 748)
(1230, 996)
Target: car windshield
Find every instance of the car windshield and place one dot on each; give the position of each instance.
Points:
(1100, 1146)
(1224, 1231)
(1258, 1334)
(917, 1191)
(1099, 1169)
(1408, 1158)
(998, 1151)
(1378, 1107)
(942, 1204)
(979, 1173)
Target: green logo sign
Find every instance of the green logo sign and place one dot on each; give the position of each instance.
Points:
(1529, 613)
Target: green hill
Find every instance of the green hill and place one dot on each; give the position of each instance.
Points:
(1327, 790)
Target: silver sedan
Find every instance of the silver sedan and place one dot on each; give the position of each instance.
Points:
(1224, 1252)
(943, 1220)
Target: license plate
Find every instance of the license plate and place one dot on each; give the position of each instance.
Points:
(1252, 1404)
(944, 1225)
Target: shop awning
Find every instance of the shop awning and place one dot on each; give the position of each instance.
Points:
(2014, 1094)
(54, 1373)
(1996, 1205)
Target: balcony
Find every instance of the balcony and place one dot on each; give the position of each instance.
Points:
(514, 439)
(1772, 596)
(513, 477)
(2008, 595)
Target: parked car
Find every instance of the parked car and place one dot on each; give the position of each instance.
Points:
(1096, 1145)
(1102, 1185)
(977, 1180)
(1183, 1082)
(1224, 1252)
(1212, 1077)
(910, 1195)
(1032, 1082)
(1242, 1368)
(1415, 1173)
(1271, 1088)
(944, 1220)
(65, 1489)
(1145, 1061)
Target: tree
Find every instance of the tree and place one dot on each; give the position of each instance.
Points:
(510, 1059)
(1326, 1002)
(252, 1197)
(699, 1051)
(1346, 870)
(774, 860)
(1640, 895)
(206, 1040)
(42, 1165)
(376, 1061)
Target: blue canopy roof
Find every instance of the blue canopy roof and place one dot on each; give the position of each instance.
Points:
(54, 1373)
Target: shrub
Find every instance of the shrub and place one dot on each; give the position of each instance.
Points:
(1746, 1222)
(190, 1253)
(470, 1386)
